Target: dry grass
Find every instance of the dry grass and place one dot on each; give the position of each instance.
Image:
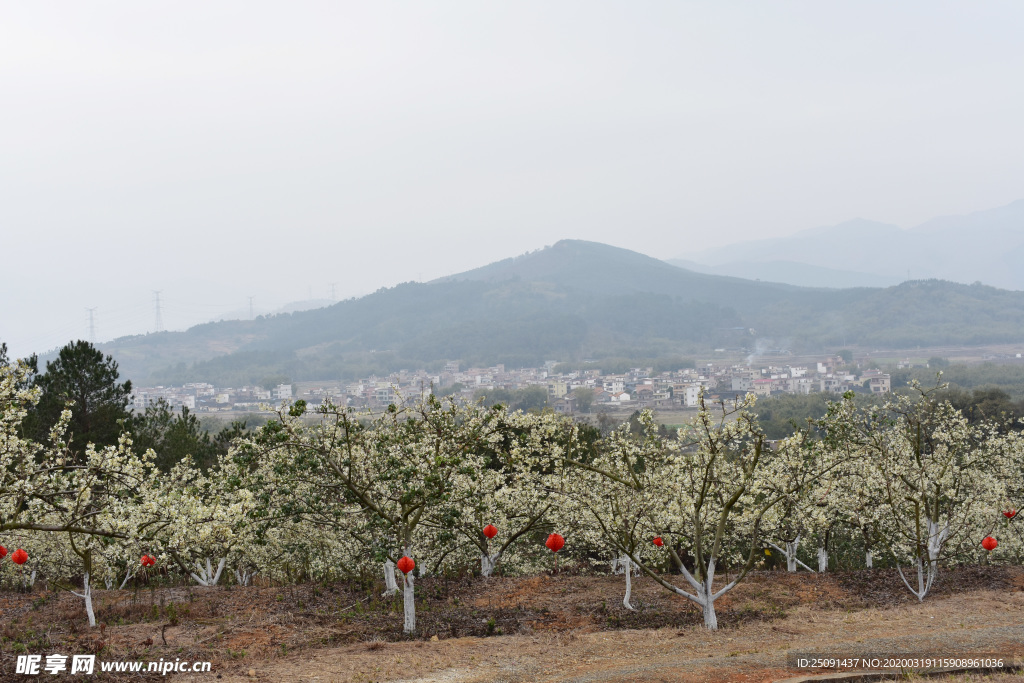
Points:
(555, 628)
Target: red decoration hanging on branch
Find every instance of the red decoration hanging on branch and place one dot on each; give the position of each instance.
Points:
(147, 560)
(490, 531)
(406, 565)
(1010, 514)
(555, 542)
(989, 543)
(658, 542)
(3, 552)
(19, 556)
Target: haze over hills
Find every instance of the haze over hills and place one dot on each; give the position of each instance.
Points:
(572, 300)
(986, 246)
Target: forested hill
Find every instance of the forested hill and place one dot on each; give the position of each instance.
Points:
(571, 300)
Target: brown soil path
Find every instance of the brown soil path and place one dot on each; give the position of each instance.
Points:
(977, 622)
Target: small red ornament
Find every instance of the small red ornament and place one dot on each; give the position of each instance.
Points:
(1009, 514)
(148, 560)
(406, 565)
(658, 542)
(19, 556)
(490, 531)
(555, 542)
(3, 552)
(989, 543)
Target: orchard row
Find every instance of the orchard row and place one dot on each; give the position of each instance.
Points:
(440, 485)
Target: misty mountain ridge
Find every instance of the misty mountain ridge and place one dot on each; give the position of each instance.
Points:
(984, 246)
(572, 300)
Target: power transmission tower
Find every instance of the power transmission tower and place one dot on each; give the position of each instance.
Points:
(332, 291)
(159, 320)
(92, 326)
(250, 307)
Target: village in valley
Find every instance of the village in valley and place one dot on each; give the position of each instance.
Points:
(571, 393)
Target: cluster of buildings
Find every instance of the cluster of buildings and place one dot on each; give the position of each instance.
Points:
(567, 392)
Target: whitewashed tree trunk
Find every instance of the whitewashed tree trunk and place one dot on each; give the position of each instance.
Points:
(206, 576)
(790, 554)
(390, 585)
(624, 565)
(704, 594)
(488, 563)
(86, 595)
(822, 560)
(926, 573)
(32, 579)
(409, 603)
(244, 576)
(867, 559)
(127, 577)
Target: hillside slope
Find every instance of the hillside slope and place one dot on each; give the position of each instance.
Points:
(574, 299)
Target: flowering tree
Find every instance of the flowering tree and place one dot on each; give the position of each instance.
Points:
(399, 470)
(88, 498)
(941, 481)
(707, 491)
(518, 486)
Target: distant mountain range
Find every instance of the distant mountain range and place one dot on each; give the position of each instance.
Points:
(569, 301)
(986, 246)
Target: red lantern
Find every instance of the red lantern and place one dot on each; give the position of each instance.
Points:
(406, 565)
(555, 542)
(658, 542)
(148, 560)
(989, 543)
(1009, 514)
(3, 552)
(490, 531)
(19, 556)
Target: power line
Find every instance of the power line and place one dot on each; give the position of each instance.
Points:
(159, 320)
(92, 325)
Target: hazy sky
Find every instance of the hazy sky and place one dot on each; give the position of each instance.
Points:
(221, 150)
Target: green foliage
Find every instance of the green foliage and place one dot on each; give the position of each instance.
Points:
(527, 398)
(846, 355)
(82, 375)
(174, 435)
(1009, 378)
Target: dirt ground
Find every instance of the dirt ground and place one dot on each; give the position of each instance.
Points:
(542, 628)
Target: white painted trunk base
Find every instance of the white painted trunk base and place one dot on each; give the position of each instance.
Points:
(488, 563)
(205, 576)
(409, 603)
(86, 595)
(390, 585)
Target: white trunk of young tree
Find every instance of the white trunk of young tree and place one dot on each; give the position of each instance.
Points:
(32, 579)
(488, 563)
(790, 554)
(86, 595)
(704, 594)
(867, 559)
(822, 560)
(127, 577)
(624, 565)
(244, 576)
(926, 573)
(409, 602)
(390, 585)
(205, 576)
